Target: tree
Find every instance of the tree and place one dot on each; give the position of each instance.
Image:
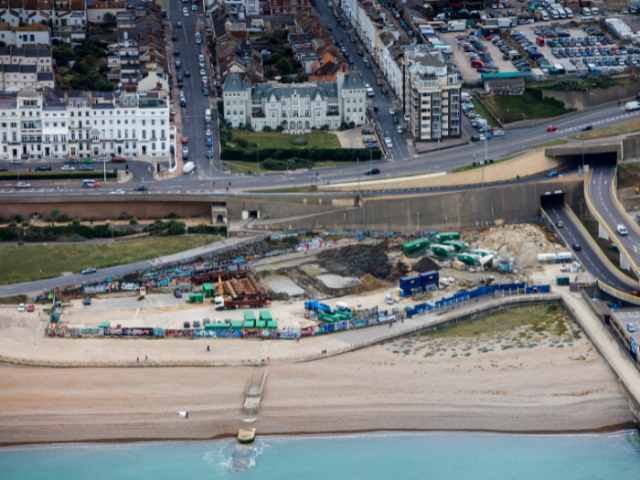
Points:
(62, 55)
(284, 66)
(53, 214)
(109, 19)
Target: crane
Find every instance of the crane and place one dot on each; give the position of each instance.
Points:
(406, 260)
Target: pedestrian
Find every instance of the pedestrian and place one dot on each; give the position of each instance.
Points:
(145, 358)
(138, 359)
(298, 339)
(208, 348)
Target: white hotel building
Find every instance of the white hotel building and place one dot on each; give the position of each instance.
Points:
(56, 124)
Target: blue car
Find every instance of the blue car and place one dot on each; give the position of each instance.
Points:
(552, 174)
(631, 327)
(208, 141)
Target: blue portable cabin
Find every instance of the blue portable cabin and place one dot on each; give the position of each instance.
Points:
(429, 278)
(409, 284)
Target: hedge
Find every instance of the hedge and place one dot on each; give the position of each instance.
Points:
(57, 175)
(49, 233)
(312, 154)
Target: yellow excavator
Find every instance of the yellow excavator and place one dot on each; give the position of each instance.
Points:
(404, 259)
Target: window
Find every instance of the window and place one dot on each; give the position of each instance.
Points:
(317, 113)
(144, 134)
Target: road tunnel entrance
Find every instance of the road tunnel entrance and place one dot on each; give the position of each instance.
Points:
(552, 199)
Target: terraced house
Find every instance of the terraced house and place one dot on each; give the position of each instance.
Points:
(295, 106)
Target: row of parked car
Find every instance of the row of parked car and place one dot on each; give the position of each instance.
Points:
(478, 54)
(478, 122)
(521, 64)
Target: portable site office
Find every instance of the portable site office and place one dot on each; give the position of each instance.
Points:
(266, 316)
(208, 290)
(249, 316)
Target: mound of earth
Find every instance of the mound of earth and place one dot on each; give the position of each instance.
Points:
(357, 260)
(425, 265)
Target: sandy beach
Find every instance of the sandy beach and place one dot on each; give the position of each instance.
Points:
(516, 380)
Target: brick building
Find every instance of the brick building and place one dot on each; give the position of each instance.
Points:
(288, 6)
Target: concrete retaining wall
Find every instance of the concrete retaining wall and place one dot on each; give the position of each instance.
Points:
(285, 206)
(461, 209)
(583, 100)
(527, 165)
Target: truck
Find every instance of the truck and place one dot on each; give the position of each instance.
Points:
(228, 303)
(316, 306)
(505, 23)
(632, 106)
(457, 26)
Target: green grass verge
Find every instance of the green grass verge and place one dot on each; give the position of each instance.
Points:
(23, 264)
(278, 140)
(552, 318)
(628, 175)
(246, 167)
(550, 143)
(613, 131)
(605, 246)
(484, 113)
(510, 108)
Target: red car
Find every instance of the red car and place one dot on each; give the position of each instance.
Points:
(378, 82)
(30, 307)
(185, 139)
(552, 128)
(118, 160)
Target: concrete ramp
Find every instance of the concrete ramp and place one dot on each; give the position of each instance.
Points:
(254, 389)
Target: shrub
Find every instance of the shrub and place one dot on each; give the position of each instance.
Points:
(299, 141)
(18, 218)
(133, 221)
(12, 224)
(171, 215)
(124, 215)
(266, 129)
(25, 224)
(177, 228)
(311, 154)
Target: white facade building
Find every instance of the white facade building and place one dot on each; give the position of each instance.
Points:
(49, 124)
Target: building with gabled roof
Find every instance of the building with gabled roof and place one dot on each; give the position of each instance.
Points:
(295, 106)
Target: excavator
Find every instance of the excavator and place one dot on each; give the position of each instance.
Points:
(404, 259)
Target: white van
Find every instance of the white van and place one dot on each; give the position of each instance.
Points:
(585, 11)
(594, 11)
(588, 19)
(370, 92)
(569, 12)
(207, 115)
(622, 230)
(343, 307)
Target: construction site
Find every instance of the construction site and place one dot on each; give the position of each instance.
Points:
(367, 274)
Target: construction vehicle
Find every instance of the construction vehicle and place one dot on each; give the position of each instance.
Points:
(316, 306)
(239, 290)
(404, 259)
(487, 281)
(230, 303)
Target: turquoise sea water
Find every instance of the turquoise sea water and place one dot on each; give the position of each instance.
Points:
(432, 456)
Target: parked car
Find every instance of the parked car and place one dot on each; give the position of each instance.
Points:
(177, 294)
(30, 307)
(87, 301)
(89, 270)
(21, 307)
(43, 168)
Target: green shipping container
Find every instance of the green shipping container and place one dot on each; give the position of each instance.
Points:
(266, 316)
(415, 245)
(447, 236)
(208, 290)
(249, 316)
(272, 325)
(249, 324)
(261, 324)
(562, 280)
(236, 324)
(459, 246)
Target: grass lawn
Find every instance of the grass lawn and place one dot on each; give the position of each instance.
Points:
(612, 131)
(510, 108)
(250, 167)
(605, 246)
(628, 175)
(278, 140)
(23, 264)
(542, 318)
(484, 113)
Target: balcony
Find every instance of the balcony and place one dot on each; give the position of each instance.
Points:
(333, 113)
(257, 115)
